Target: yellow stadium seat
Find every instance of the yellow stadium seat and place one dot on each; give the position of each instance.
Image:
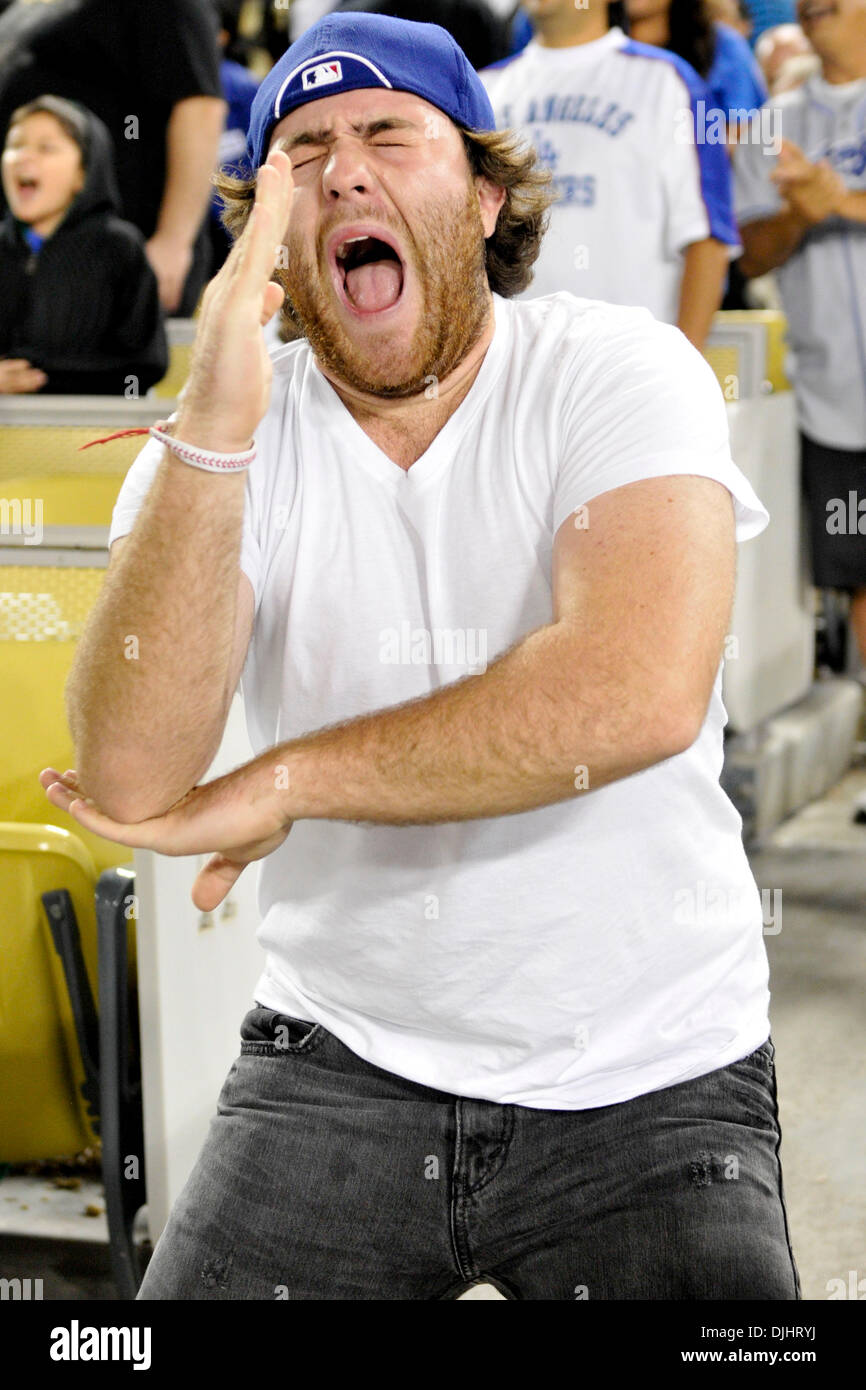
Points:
(46, 474)
(42, 614)
(776, 327)
(50, 450)
(725, 362)
(42, 1110)
(746, 350)
(180, 334)
(178, 371)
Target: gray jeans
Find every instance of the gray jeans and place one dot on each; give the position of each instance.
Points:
(324, 1177)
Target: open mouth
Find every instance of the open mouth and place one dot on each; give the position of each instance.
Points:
(369, 273)
(27, 185)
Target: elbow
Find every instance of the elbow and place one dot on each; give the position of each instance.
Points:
(119, 797)
(682, 729)
(668, 729)
(750, 266)
(686, 737)
(758, 251)
(124, 781)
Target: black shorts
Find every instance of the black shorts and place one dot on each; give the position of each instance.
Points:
(834, 486)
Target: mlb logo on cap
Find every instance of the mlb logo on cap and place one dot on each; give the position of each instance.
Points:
(321, 74)
(348, 52)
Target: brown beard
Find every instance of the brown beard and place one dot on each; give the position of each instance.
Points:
(449, 262)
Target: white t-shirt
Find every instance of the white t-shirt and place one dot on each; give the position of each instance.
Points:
(567, 957)
(612, 120)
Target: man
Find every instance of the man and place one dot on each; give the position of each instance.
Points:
(487, 551)
(150, 72)
(644, 214)
(803, 216)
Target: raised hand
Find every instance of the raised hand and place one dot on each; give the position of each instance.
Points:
(230, 373)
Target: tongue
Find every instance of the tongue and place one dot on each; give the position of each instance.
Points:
(375, 285)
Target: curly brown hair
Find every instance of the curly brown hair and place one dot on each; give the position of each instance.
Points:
(500, 156)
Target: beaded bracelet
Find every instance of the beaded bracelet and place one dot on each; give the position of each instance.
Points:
(219, 463)
(203, 458)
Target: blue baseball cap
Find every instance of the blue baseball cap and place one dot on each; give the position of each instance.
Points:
(343, 52)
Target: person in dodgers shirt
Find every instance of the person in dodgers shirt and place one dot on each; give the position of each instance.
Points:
(644, 210)
(803, 218)
(476, 583)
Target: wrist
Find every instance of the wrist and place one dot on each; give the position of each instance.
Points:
(287, 768)
(201, 434)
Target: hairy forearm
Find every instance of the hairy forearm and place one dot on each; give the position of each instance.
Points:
(701, 289)
(533, 729)
(192, 145)
(769, 242)
(147, 694)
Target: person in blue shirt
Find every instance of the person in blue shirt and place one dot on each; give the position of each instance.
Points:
(766, 14)
(720, 55)
(521, 32)
(239, 87)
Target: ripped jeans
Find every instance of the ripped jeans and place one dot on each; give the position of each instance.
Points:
(324, 1177)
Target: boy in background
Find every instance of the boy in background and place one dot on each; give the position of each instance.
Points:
(80, 303)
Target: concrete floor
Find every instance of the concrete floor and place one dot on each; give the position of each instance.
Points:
(817, 860)
(818, 1015)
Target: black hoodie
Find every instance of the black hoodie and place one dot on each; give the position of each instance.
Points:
(85, 307)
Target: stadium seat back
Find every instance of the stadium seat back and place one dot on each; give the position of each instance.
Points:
(42, 615)
(42, 1111)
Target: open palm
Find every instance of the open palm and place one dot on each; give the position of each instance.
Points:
(237, 816)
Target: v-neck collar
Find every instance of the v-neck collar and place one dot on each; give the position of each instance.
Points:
(362, 449)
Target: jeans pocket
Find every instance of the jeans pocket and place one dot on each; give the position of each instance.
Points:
(266, 1033)
(760, 1060)
(754, 1083)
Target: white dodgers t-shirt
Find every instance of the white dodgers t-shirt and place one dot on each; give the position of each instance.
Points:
(615, 123)
(567, 957)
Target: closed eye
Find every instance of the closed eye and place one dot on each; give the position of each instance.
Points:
(377, 145)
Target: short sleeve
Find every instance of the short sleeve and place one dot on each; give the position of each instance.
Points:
(755, 195)
(174, 43)
(135, 488)
(645, 404)
(696, 173)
